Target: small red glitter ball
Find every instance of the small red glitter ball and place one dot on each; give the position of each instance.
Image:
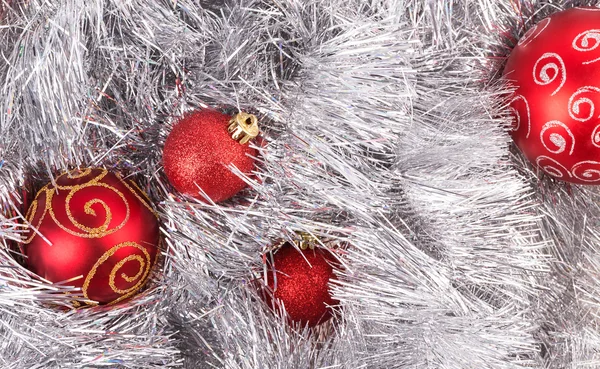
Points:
(300, 281)
(198, 153)
(555, 68)
(103, 235)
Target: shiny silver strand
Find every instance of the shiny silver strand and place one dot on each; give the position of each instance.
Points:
(385, 133)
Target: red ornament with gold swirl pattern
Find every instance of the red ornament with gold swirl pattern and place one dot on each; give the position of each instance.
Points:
(93, 230)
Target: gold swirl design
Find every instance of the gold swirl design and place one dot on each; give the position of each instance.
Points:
(145, 266)
(129, 279)
(33, 210)
(97, 232)
(103, 229)
(71, 174)
(77, 174)
(145, 200)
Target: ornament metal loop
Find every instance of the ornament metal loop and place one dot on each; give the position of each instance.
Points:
(307, 241)
(243, 127)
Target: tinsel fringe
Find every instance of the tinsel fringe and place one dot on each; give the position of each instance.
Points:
(384, 130)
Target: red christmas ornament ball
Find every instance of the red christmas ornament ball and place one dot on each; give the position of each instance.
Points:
(300, 282)
(199, 151)
(95, 229)
(555, 69)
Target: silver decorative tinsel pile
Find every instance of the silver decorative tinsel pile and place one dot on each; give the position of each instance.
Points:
(384, 129)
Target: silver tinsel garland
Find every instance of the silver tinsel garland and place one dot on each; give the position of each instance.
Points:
(384, 130)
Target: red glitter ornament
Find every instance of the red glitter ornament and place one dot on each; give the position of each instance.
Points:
(103, 234)
(300, 282)
(555, 68)
(202, 146)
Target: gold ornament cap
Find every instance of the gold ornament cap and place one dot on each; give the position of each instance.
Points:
(307, 241)
(243, 127)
